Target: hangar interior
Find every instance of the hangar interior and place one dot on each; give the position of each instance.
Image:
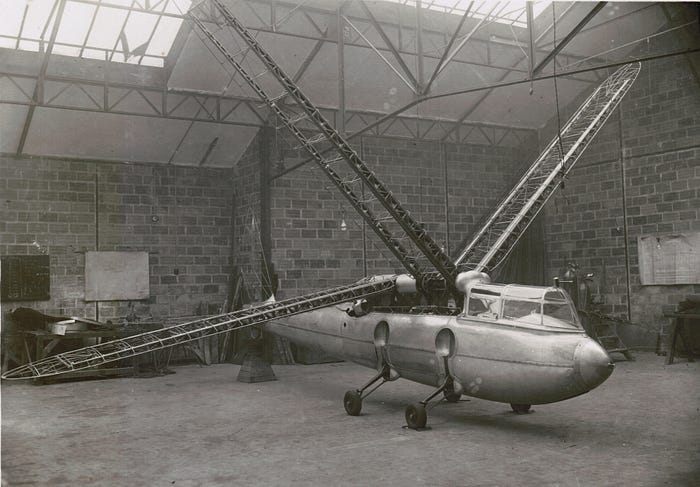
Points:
(146, 182)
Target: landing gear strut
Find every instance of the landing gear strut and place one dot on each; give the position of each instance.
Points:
(353, 399)
(417, 415)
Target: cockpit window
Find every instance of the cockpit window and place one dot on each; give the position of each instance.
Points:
(514, 309)
(546, 307)
(560, 315)
(553, 310)
(483, 306)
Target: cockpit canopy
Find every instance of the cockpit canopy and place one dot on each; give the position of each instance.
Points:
(547, 307)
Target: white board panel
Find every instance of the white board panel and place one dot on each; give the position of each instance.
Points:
(113, 276)
(669, 259)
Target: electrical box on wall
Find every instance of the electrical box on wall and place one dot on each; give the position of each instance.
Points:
(25, 278)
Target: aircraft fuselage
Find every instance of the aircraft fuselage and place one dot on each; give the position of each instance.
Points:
(491, 360)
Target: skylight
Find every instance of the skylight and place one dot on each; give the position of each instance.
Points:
(505, 12)
(127, 31)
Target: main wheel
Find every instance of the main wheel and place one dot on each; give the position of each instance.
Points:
(352, 403)
(521, 408)
(416, 416)
(451, 395)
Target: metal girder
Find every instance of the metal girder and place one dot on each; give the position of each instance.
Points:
(419, 46)
(38, 96)
(309, 58)
(569, 37)
(264, 27)
(688, 58)
(340, 49)
(466, 39)
(599, 24)
(200, 106)
(411, 83)
(101, 97)
(378, 125)
(306, 11)
(539, 67)
(663, 31)
(568, 9)
(476, 104)
(531, 34)
(176, 49)
(438, 67)
(390, 45)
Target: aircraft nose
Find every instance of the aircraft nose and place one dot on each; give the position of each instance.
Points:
(593, 363)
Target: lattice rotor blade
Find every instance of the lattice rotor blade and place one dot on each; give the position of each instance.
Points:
(152, 341)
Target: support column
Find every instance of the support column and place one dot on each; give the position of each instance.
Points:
(340, 121)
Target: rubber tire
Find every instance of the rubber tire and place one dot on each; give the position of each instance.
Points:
(352, 403)
(521, 408)
(451, 396)
(416, 416)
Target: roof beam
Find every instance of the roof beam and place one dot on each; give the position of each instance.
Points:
(411, 83)
(466, 39)
(568, 9)
(202, 98)
(309, 58)
(689, 59)
(389, 44)
(38, 96)
(476, 104)
(569, 37)
(438, 67)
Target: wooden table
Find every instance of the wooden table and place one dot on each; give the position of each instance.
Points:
(45, 341)
(679, 324)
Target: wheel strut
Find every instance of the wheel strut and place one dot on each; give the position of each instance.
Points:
(353, 399)
(417, 415)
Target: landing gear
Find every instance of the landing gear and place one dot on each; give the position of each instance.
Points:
(451, 395)
(352, 403)
(353, 399)
(521, 408)
(417, 415)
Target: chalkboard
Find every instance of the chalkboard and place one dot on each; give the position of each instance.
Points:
(111, 276)
(25, 278)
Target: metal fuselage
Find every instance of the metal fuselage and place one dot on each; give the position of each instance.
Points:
(491, 360)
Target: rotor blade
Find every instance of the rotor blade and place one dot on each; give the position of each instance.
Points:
(511, 217)
(152, 341)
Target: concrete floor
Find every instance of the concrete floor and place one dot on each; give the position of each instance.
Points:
(201, 427)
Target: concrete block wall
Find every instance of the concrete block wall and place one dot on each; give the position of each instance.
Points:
(657, 143)
(312, 252)
(180, 216)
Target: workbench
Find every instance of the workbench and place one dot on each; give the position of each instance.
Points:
(679, 326)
